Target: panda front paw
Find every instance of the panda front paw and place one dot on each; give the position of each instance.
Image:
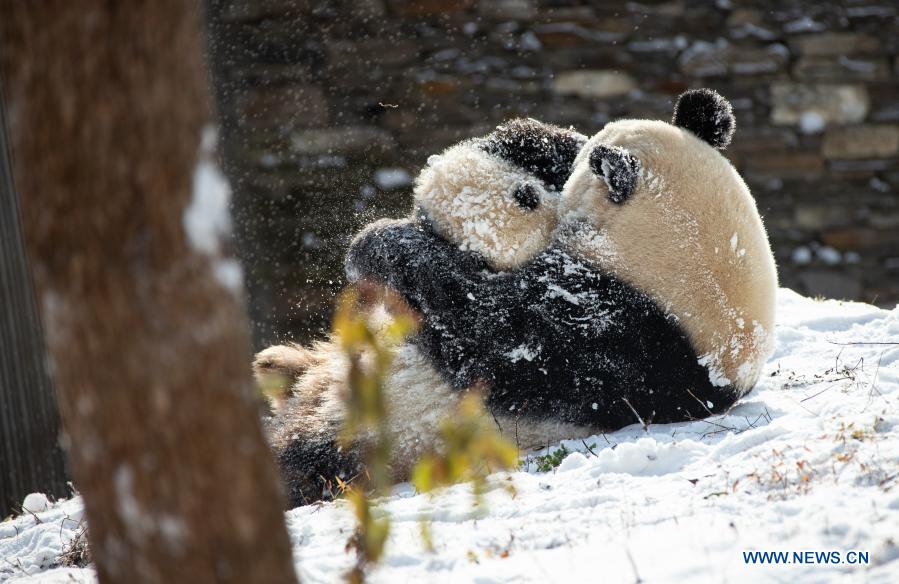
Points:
(376, 251)
(409, 257)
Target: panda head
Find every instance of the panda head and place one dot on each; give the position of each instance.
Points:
(626, 169)
(659, 206)
(498, 195)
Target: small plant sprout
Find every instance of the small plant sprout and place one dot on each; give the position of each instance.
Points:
(551, 460)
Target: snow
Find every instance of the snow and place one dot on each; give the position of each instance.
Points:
(35, 502)
(207, 217)
(801, 255)
(811, 122)
(829, 255)
(393, 178)
(32, 542)
(716, 374)
(808, 461)
(824, 253)
(207, 220)
(803, 24)
(525, 352)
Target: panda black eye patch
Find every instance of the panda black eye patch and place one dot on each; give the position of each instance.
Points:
(527, 197)
(618, 167)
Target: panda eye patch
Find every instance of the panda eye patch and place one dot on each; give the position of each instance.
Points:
(618, 168)
(527, 197)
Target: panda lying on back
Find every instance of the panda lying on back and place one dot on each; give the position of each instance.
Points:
(493, 200)
(653, 302)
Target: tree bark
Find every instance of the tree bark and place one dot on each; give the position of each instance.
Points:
(150, 353)
(30, 454)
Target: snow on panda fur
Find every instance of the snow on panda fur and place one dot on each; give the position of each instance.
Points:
(495, 201)
(653, 302)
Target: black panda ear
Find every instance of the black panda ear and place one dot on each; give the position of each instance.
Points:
(543, 150)
(708, 115)
(618, 167)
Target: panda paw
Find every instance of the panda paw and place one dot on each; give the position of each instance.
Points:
(376, 251)
(410, 258)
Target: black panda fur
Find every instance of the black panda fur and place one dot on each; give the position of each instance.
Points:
(309, 467)
(554, 339)
(707, 114)
(543, 150)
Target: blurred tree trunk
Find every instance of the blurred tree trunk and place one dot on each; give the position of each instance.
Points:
(30, 455)
(150, 352)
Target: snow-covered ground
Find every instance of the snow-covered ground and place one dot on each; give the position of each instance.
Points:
(809, 461)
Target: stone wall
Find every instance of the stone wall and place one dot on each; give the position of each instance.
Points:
(329, 109)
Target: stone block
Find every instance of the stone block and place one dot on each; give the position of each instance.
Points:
(571, 34)
(762, 140)
(862, 167)
(705, 59)
(273, 73)
(372, 52)
(815, 217)
(508, 9)
(748, 23)
(859, 238)
(341, 140)
(867, 141)
(242, 11)
(785, 164)
(883, 219)
(830, 284)
(298, 105)
(835, 44)
(594, 84)
(832, 103)
(758, 61)
(842, 67)
(429, 7)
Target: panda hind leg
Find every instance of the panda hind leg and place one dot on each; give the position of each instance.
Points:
(278, 367)
(313, 468)
(304, 431)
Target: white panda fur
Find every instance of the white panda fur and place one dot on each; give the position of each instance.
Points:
(697, 246)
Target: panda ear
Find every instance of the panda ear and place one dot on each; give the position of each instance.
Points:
(708, 115)
(543, 150)
(618, 167)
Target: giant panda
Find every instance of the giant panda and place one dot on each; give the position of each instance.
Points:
(653, 303)
(495, 199)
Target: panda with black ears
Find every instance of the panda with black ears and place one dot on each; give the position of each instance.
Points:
(654, 301)
(491, 201)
